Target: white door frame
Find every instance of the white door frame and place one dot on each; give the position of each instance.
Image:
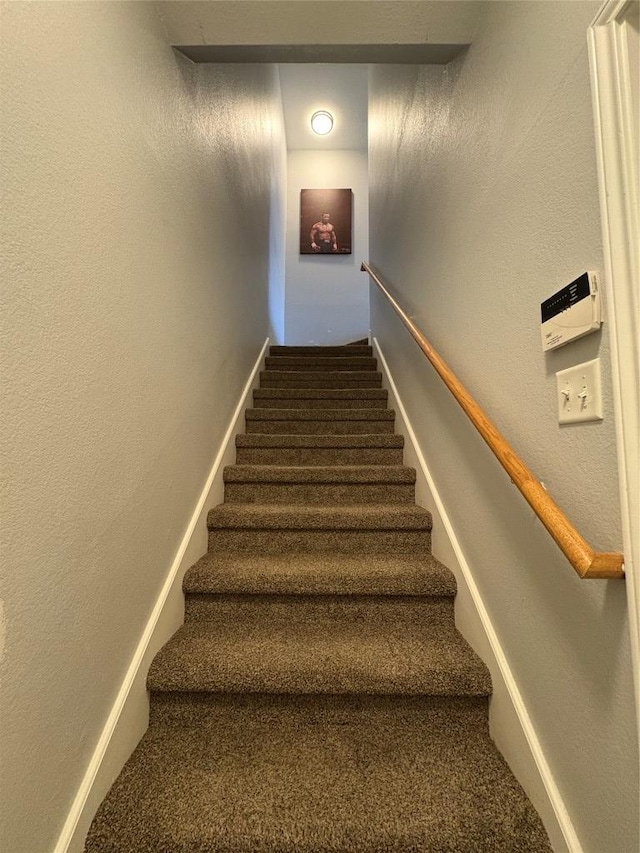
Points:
(616, 150)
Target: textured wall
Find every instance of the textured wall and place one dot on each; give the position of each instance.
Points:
(339, 22)
(136, 226)
(327, 298)
(483, 201)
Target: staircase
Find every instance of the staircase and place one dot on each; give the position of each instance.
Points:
(318, 697)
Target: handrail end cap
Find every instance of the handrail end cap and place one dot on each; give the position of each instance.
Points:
(604, 565)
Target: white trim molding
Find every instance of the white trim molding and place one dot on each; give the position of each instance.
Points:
(616, 153)
(510, 724)
(129, 716)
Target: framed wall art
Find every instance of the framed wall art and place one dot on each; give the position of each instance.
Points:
(326, 218)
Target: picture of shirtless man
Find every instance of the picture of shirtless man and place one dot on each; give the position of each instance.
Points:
(323, 235)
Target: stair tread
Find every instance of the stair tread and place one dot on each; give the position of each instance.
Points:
(295, 516)
(331, 374)
(298, 401)
(344, 380)
(423, 778)
(327, 351)
(320, 362)
(316, 375)
(320, 414)
(266, 651)
(320, 393)
(364, 440)
(309, 574)
(383, 474)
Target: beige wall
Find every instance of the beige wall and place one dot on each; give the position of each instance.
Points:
(483, 201)
(136, 225)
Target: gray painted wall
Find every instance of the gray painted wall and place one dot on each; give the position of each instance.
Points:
(483, 201)
(327, 298)
(141, 195)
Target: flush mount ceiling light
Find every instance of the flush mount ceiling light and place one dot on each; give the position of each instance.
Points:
(321, 122)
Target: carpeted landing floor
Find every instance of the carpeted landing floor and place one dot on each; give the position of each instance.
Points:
(318, 697)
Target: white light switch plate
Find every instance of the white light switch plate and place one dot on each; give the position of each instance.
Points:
(579, 393)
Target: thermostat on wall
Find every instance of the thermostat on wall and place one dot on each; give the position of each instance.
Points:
(571, 313)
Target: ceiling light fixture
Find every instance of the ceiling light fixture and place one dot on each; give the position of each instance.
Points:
(321, 122)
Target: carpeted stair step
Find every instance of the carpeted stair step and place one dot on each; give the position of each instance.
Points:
(257, 449)
(292, 644)
(307, 363)
(316, 774)
(320, 398)
(296, 573)
(348, 351)
(357, 484)
(271, 529)
(320, 379)
(318, 698)
(320, 421)
(252, 609)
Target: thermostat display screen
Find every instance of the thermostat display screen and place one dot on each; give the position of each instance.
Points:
(565, 298)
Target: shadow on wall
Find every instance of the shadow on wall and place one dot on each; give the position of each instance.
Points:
(277, 217)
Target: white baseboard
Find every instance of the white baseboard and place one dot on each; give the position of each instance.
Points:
(129, 716)
(510, 724)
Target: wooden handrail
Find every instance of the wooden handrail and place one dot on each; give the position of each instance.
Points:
(587, 562)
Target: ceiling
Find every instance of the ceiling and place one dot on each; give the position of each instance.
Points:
(342, 90)
(306, 40)
(302, 30)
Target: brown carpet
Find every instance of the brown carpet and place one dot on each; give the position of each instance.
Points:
(318, 697)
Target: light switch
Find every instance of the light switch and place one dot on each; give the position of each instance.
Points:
(579, 393)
